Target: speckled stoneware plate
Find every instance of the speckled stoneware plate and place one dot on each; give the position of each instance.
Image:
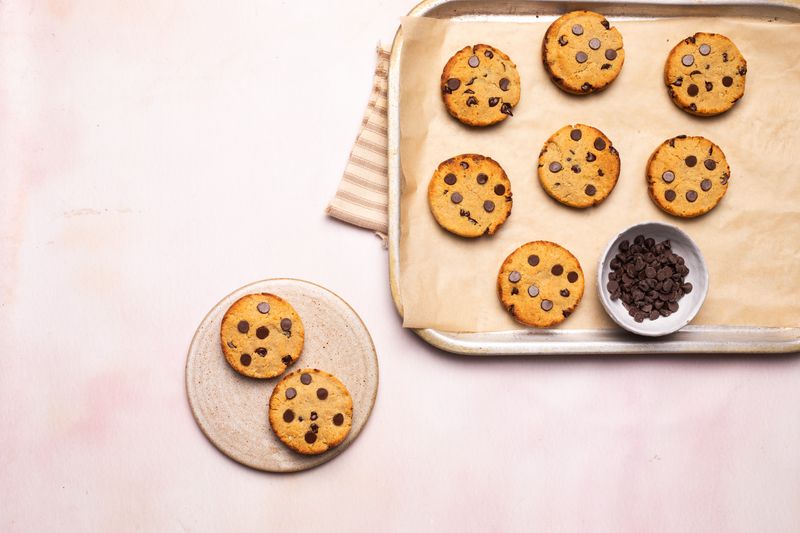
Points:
(231, 409)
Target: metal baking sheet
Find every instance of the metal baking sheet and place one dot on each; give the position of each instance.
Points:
(689, 340)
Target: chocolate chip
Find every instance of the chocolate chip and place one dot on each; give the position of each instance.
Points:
(456, 198)
(488, 206)
(705, 49)
(305, 378)
(577, 29)
(594, 44)
(506, 109)
(547, 305)
(693, 90)
(605, 66)
(245, 359)
(669, 195)
(482, 178)
(263, 308)
(338, 419)
(555, 166)
(311, 437)
(503, 83)
(286, 324)
(590, 190)
(493, 101)
(464, 165)
(499, 189)
(576, 169)
(710, 164)
(575, 135)
(599, 144)
(533, 291)
(488, 53)
(286, 360)
(261, 351)
(533, 260)
(471, 101)
(586, 87)
(288, 415)
(590, 157)
(572, 277)
(450, 179)
(691, 196)
(611, 54)
(557, 270)
(514, 276)
(262, 332)
(705, 185)
(453, 84)
(474, 61)
(243, 326)
(693, 107)
(678, 82)
(564, 292)
(727, 81)
(668, 176)
(322, 393)
(581, 57)
(690, 161)
(290, 393)
(742, 70)
(562, 40)
(709, 86)
(687, 60)
(314, 417)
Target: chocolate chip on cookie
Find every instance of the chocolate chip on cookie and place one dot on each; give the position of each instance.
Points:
(253, 339)
(582, 52)
(705, 74)
(480, 85)
(540, 283)
(310, 411)
(578, 166)
(679, 184)
(470, 195)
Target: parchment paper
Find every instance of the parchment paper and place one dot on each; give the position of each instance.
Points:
(750, 241)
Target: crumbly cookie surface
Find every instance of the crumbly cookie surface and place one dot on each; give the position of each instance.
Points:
(582, 52)
(470, 195)
(310, 411)
(687, 176)
(540, 284)
(480, 85)
(705, 74)
(578, 166)
(261, 335)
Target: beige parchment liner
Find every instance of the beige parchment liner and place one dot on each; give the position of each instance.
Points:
(751, 240)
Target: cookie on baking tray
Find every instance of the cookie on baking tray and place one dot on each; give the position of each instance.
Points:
(540, 284)
(470, 195)
(687, 176)
(582, 52)
(578, 166)
(705, 74)
(310, 411)
(480, 85)
(261, 335)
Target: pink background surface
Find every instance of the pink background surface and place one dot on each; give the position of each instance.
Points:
(157, 155)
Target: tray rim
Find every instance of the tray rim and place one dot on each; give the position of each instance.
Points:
(776, 340)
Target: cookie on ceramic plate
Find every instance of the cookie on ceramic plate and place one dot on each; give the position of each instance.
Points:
(578, 166)
(310, 411)
(582, 52)
(480, 85)
(540, 284)
(261, 335)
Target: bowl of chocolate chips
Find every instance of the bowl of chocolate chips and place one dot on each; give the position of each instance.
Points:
(652, 279)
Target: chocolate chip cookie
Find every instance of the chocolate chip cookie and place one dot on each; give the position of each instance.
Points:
(480, 85)
(705, 74)
(540, 284)
(578, 166)
(470, 195)
(582, 52)
(261, 335)
(687, 176)
(310, 411)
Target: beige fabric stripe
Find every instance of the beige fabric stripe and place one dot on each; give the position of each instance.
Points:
(363, 202)
(365, 183)
(357, 220)
(365, 163)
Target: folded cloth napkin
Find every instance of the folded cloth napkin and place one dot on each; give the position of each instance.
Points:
(363, 194)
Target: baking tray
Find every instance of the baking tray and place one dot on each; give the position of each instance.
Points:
(689, 340)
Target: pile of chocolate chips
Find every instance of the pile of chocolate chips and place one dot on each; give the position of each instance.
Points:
(649, 278)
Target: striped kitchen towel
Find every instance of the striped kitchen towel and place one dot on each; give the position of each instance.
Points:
(363, 193)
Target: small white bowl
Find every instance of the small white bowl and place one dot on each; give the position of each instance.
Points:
(688, 305)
